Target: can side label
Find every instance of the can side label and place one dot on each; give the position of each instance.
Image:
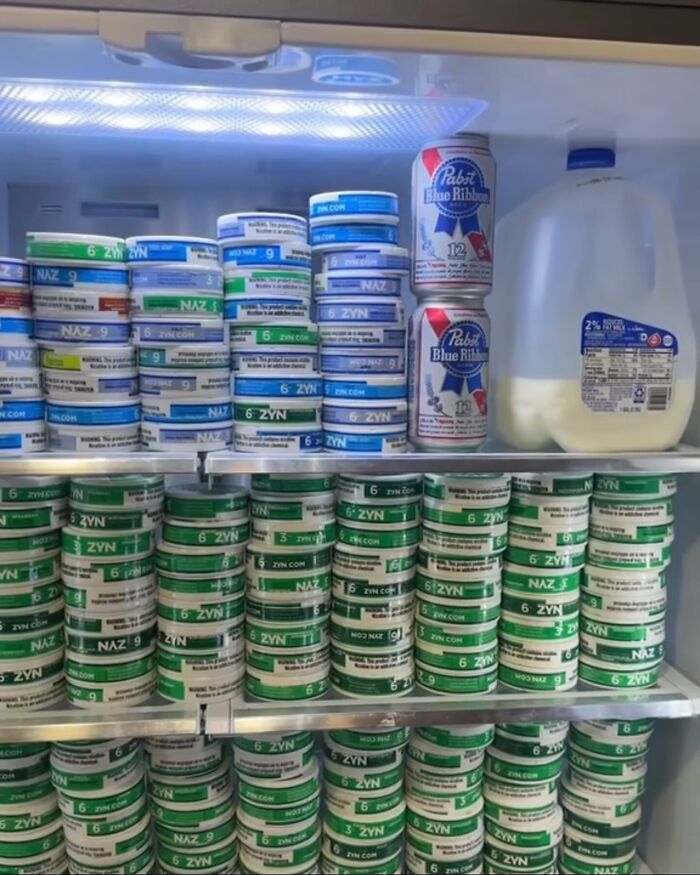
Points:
(23, 355)
(448, 375)
(453, 208)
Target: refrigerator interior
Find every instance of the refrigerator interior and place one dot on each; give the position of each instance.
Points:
(101, 140)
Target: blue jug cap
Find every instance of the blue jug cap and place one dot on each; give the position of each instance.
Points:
(590, 157)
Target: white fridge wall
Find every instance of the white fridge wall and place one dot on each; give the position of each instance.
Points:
(192, 181)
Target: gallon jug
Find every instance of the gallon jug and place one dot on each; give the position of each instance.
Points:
(593, 347)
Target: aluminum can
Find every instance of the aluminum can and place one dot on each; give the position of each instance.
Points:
(454, 187)
(448, 367)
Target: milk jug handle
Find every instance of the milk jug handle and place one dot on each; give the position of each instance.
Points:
(667, 268)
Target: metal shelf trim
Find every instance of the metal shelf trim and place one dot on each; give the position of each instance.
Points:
(682, 459)
(73, 724)
(115, 463)
(674, 697)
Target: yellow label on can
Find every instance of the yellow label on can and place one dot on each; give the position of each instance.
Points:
(58, 361)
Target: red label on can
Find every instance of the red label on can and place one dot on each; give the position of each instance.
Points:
(114, 305)
(15, 300)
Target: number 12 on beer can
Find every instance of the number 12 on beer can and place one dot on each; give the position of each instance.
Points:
(448, 366)
(454, 188)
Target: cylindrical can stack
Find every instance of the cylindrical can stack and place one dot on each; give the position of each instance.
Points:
(289, 396)
(465, 520)
(22, 409)
(351, 218)
(19, 367)
(623, 600)
(444, 818)
(32, 512)
(111, 611)
(453, 187)
(31, 829)
(522, 816)
(274, 346)
(361, 320)
(279, 361)
(374, 568)
(178, 328)
(81, 307)
(192, 804)
(181, 381)
(279, 799)
(267, 267)
(547, 536)
(365, 809)
(288, 572)
(201, 594)
(538, 651)
(101, 788)
(601, 794)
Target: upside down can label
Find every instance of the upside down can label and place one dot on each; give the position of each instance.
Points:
(448, 350)
(453, 206)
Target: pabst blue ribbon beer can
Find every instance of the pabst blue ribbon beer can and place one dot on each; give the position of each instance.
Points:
(454, 187)
(448, 369)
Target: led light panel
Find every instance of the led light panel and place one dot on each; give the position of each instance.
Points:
(393, 122)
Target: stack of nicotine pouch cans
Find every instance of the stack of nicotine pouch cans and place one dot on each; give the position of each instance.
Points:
(522, 817)
(547, 534)
(277, 390)
(623, 608)
(547, 538)
(22, 410)
(361, 320)
(183, 355)
(103, 799)
(444, 802)
(32, 512)
(623, 589)
(374, 581)
(464, 534)
(31, 826)
(600, 795)
(201, 594)
(365, 812)
(279, 803)
(98, 303)
(110, 590)
(80, 288)
(288, 574)
(192, 805)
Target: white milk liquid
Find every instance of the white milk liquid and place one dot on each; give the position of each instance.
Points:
(531, 414)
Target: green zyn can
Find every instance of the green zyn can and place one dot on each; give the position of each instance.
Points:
(121, 492)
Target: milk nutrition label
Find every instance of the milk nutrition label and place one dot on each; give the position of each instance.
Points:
(626, 366)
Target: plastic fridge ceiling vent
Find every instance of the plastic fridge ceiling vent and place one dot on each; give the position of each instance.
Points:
(112, 109)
